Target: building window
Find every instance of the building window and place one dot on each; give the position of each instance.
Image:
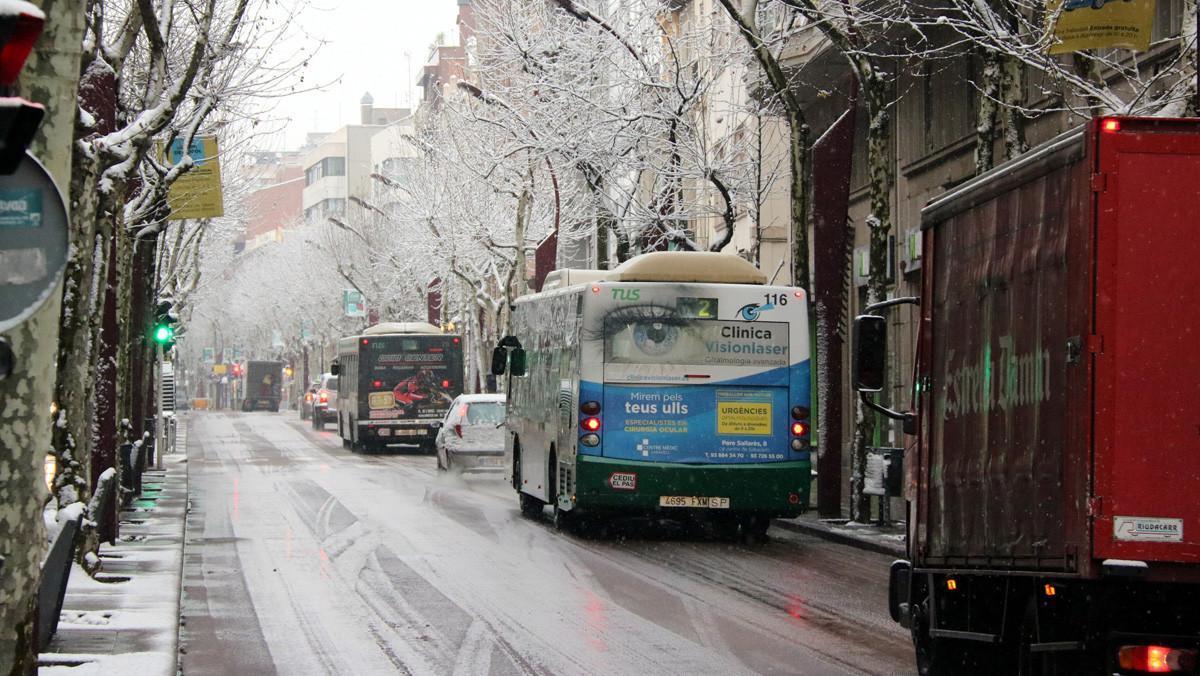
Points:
(330, 166)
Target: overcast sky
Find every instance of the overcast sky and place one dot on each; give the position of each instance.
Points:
(370, 45)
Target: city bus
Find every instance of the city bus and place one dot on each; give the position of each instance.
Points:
(676, 385)
(395, 379)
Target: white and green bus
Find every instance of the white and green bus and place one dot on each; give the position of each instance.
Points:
(675, 385)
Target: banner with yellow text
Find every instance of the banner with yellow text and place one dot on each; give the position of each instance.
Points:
(1101, 24)
(197, 193)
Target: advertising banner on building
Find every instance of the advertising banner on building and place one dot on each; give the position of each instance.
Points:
(1100, 24)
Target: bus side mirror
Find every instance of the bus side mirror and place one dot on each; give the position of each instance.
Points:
(870, 353)
(334, 368)
(518, 361)
(499, 360)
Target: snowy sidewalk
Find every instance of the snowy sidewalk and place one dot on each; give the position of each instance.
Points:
(885, 540)
(127, 620)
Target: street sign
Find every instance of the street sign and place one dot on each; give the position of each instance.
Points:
(355, 304)
(33, 241)
(197, 193)
(209, 355)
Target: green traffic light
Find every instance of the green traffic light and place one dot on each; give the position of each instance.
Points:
(163, 334)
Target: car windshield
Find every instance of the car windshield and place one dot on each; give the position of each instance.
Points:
(484, 412)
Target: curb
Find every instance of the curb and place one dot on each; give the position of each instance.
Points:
(824, 532)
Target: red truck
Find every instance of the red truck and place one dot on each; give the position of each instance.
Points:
(1054, 496)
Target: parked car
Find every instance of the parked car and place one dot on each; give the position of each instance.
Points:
(306, 402)
(470, 438)
(324, 408)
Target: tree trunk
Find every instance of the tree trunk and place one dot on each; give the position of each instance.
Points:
(97, 94)
(798, 135)
(50, 78)
(987, 121)
(879, 223)
(1190, 57)
(24, 440)
(1012, 96)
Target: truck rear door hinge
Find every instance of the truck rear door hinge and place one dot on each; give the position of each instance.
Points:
(1095, 506)
(1099, 182)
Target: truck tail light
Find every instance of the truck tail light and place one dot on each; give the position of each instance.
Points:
(951, 584)
(590, 408)
(324, 397)
(1111, 125)
(591, 424)
(1156, 659)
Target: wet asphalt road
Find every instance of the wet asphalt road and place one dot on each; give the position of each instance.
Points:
(304, 558)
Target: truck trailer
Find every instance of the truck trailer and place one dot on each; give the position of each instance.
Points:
(263, 386)
(1054, 486)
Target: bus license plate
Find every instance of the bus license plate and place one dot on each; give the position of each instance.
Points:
(692, 501)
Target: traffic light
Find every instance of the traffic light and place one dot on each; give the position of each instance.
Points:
(163, 332)
(20, 25)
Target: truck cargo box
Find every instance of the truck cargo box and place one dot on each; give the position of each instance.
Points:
(1059, 377)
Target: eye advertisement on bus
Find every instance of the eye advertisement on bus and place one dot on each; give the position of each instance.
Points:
(680, 385)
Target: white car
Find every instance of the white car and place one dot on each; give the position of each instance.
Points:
(471, 436)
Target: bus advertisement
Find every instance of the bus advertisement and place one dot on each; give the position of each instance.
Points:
(676, 385)
(394, 380)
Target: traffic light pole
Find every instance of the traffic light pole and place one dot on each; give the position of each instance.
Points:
(159, 423)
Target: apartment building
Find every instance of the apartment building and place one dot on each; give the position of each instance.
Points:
(340, 165)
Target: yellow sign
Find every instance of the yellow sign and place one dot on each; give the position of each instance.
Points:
(379, 400)
(1101, 24)
(743, 417)
(196, 193)
(220, 369)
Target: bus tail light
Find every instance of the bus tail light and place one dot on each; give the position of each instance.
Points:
(799, 428)
(800, 413)
(1156, 659)
(591, 424)
(590, 440)
(590, 408)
